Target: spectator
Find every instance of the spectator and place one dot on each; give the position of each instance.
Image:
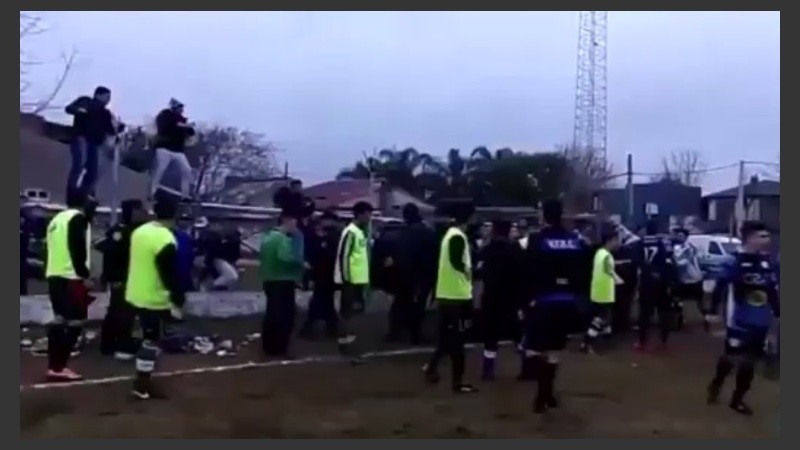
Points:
(321, 252)
(173, 131)
(92, 124)
(225, 255)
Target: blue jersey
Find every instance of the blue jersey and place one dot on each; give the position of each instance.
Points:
(750, 282)
(656, 259)
(185, 258)
(558, 265)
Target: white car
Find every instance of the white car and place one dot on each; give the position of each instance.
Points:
(713, 251)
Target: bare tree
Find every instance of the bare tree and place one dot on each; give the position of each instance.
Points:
(589, 172)
(224, 151)
(30, 26)
(684, 166)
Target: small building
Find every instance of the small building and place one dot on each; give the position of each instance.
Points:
(672, 203)
(762, 202)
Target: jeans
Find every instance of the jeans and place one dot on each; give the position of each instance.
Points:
(83, 171)
(163, 160)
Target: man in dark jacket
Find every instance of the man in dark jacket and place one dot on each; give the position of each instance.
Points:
(414, 268)
(24, 250)
(503, 275)
(115, 334)
(321, 256)
(92, 124)
(173, 131)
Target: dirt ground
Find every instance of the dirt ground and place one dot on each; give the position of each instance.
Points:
(619, 394)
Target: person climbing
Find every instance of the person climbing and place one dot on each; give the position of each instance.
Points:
(173, 132)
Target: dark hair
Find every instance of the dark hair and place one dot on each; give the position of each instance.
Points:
(607, 233)
(681, 230)
(651, 227)
(501, 228)
(128, 206)
(296, 183)
(462, 211)
(751, 227)
(553, 211)
(165, 209)
(75, 198)
(101, 90)
(361, 208)
(411, 213)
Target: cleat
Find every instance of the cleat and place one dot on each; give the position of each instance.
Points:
(63, 376)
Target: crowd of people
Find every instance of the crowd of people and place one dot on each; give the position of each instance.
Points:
(539, 286)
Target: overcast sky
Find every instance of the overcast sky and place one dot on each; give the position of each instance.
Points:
(327, 86)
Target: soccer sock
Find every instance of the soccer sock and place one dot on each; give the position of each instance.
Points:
(744, 379)
(489, 358)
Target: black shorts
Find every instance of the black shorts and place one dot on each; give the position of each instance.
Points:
(548, 324)
(693, 291)
(746, 341)
(68, 298)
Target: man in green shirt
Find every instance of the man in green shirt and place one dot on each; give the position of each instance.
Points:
(282, 267)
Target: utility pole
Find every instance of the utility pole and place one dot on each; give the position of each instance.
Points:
(740, 209)
(629, 190)
(115, 162)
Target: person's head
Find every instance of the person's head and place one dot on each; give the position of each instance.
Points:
(176, 106)
(640, 231)
(287, 221)
(486, 230)
(184, 222)
(755, 236)
(552, 212)
(132, 211)
(609, 238)
(681, 235)
(651, 228)
(411, 213)
(501, 229)
(296, 186)
(329, 219)
(462, 213)
(362, 213)
(514, 232)
(102, 94)
(165, 210)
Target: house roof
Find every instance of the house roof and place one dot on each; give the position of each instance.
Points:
(44, 163)
(756, 188)
(247, 191)
(337, 192)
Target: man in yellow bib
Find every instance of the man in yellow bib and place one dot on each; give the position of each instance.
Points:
(153, 289)
(603, 288)
(351, 272)
(454, 298)
(68, 281)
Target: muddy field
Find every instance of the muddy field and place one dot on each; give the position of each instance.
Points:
(619, 394)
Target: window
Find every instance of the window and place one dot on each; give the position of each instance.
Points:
(714, 249)
(712, 210)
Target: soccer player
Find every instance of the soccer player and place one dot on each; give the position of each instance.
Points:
(689, 285)
(603, 289)
(453, 294)
(68, 281)
(749, 281)
(154, 289)
(352, 273)
(657, 276)
(559, 271)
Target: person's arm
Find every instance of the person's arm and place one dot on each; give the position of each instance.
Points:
(722, 285)
(533, 282)
(76, 242)
(608, 266)
(344, 254)
(773, 296)
(167, 266)
(78, 106)
(458, 245)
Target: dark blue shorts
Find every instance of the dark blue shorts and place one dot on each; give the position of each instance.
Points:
(745, 341)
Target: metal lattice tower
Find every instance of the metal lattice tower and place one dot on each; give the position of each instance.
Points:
(590, 88)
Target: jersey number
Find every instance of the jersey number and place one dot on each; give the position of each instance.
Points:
(650, 254)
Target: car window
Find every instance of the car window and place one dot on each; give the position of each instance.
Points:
(714, 249)
(730, 247)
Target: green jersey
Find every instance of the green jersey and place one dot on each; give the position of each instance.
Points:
(280, 260)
